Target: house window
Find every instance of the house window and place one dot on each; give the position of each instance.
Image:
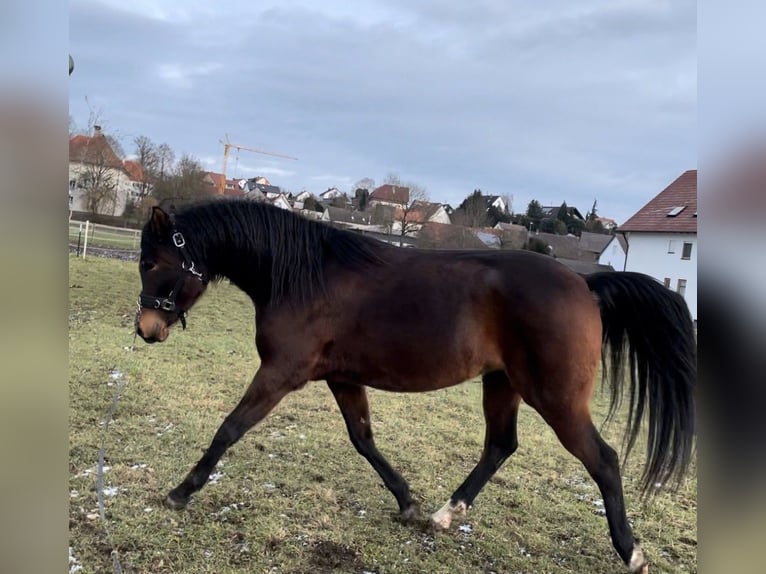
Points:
(672, 246)
(72, 183)
(687, 251)
(681, 287)
(667, 282)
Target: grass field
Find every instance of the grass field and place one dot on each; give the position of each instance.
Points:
(293, 496)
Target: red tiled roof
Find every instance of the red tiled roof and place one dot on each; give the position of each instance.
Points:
(232, 188)
(134, 169)
(392, 193)
(93, 150)
(655, 215)
(216, 179)
(420, 213)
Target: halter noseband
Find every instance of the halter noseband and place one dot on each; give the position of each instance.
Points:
(169, 303)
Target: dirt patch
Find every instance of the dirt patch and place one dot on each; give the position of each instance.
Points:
(329, 556)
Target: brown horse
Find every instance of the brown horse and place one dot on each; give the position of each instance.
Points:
(336, 306)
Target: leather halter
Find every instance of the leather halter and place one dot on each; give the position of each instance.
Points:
(168, 303)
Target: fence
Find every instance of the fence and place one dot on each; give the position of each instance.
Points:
(84, 235)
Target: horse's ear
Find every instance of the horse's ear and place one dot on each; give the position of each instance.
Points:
(160, 221)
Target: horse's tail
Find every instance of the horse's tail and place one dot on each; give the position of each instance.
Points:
(652, 326)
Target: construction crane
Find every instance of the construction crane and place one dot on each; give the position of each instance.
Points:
(227, 146)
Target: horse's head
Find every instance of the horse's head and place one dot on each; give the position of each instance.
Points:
(170, 282)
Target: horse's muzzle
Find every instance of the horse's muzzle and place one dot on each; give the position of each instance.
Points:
(151, 327)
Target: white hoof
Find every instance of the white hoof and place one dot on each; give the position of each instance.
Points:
(637, 564)
(442, 518)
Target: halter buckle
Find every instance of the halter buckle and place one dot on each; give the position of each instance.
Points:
(178, 239)
(167, 305)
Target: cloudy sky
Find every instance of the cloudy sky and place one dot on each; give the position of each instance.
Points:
(555, 101)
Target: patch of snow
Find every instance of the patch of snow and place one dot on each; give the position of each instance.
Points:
(74, 563)
(215, 477)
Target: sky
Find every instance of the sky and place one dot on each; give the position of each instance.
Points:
(555, 101)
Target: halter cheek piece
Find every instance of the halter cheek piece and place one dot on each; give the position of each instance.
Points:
(169, 303)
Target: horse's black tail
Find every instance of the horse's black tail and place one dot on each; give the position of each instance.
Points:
(652, 326)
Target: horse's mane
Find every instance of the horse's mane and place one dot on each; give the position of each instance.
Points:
(298, 249)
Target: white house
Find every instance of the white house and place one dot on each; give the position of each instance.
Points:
(280, 201)
(662, 238)
(614, 253)
(331, 193)
(98, 180)
(498, 202)
(419, 213)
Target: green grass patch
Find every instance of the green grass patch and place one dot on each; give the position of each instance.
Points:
(293, 496)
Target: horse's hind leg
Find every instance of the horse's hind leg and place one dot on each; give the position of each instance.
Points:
(263, 394)
(579, 436)
(352, 400)
(501, 407)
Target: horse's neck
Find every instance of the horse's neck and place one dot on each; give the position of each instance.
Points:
(239, 263)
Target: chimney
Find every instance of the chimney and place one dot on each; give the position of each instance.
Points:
(97, 130)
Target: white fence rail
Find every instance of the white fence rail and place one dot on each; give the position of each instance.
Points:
(84, 235)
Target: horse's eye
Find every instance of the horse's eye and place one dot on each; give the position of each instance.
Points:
(147, 265)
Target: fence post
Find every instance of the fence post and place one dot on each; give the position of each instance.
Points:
(85, 243)
(79, 238)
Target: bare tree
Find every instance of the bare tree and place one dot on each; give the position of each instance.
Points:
(116, 146)
(412, 214)
(185, 184)
(99, 174)
(473, 211)
(98, 177)
(166, 157)
(365, 183)
(148, 158)
(100, 163)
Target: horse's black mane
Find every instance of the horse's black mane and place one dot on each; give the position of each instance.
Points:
(296, 249)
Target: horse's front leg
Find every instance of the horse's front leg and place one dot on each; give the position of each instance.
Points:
(266, 390)
(352, 400)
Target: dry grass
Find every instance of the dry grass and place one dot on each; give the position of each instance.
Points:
(293, 496)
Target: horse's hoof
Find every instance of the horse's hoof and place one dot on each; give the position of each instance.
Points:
(442, 518)
(410, 514)
(175, 503)
(638, 564)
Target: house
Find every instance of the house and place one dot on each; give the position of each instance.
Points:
(497, 202)
(138, 186)
(390, 194)
(592, 245)
(614, 253)
(331, 193)
(662, 238)
(435, 235)
(489, 239)
(263, 186)
(420, 212)
(560, 246)
(608, 223)
(299, 200)
(215, 180)
(98, 180)
(346, 218)
(234, 188)
(552, 212)
(281, 201)
(512, 236)
(584, 267)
